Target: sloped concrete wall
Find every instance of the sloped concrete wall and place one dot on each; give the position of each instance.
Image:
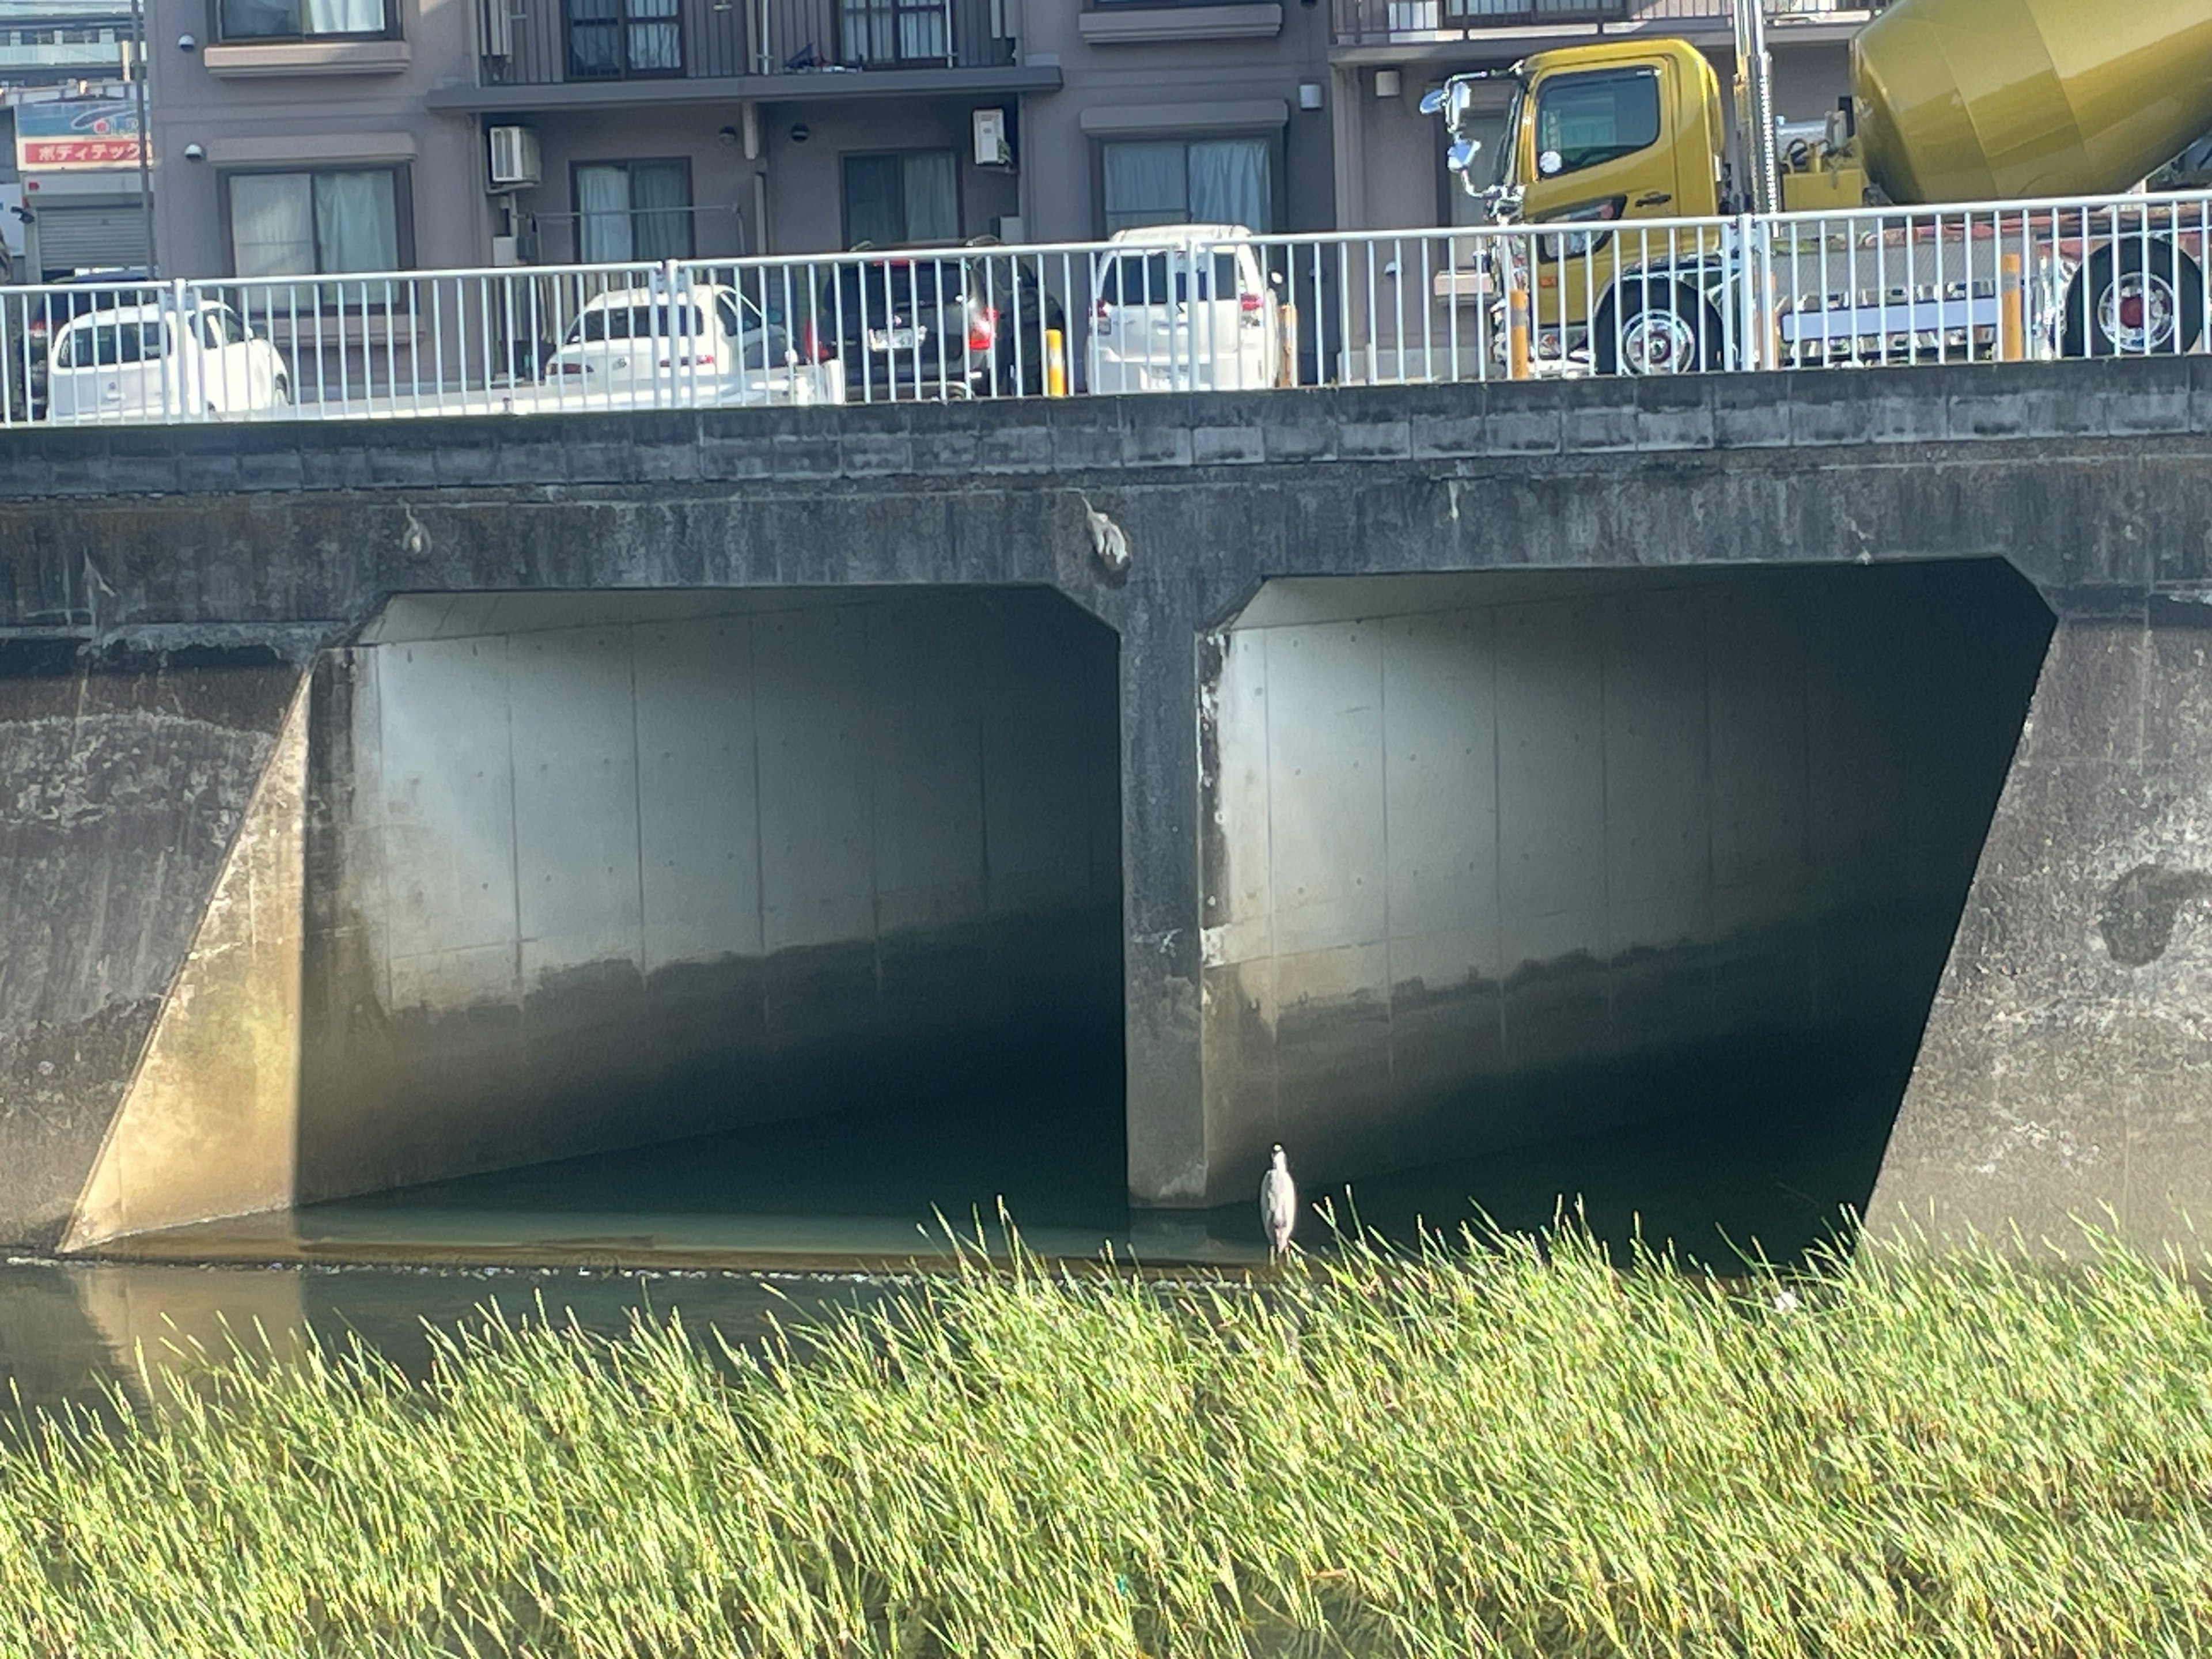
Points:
(2067, 1070)
(123, 780)
(597, 870)
(1493, 858)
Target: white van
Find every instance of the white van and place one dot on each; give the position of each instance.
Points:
(156, 361)
(1184, 308)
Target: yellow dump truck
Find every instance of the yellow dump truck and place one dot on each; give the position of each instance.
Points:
(1969, 178)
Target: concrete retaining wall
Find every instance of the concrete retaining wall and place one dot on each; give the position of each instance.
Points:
(2067, 1069)
(122, 782)
(599, 870)
(1494, 857)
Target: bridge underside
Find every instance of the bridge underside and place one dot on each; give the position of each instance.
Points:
(1501, 857)
(1430, 783)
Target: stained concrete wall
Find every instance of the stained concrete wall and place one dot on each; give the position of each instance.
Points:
(123, 780)
(598, 870)
(2067, 1071)
(1497, 857)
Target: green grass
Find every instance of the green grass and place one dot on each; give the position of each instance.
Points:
(1504, 1448)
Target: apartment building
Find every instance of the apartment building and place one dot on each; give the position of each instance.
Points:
(328, 135)
(303, 135)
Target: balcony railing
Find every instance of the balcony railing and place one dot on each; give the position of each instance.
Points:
(569, 42)
(1420, 23)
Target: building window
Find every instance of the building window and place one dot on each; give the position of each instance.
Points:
(893, 200)
(1589, 119)
(301, 20)
(1201, 182)
(898, 30)
(611, 39)
(633, 211)
(306, 224)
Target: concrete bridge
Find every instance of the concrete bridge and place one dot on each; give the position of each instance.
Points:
(1444, 766)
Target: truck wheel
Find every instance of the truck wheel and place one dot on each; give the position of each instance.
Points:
(2134, 300)
(1664, 329)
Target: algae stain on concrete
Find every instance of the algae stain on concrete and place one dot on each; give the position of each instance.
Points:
(209, 1125)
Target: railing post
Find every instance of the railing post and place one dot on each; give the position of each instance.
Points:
(1752, 346)
(182, 356)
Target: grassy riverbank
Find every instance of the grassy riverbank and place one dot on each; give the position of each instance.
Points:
(1487, 1451)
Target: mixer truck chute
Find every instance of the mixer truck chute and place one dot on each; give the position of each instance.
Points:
(1967, 104)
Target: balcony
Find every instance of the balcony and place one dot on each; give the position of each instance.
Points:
(552, 54)
(1417, 23)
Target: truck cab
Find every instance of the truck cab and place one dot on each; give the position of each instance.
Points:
(1598, 135)
(1606, 133)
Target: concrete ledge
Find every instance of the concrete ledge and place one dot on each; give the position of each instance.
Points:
(1934, 409)
(1138, 25)
(309, 58)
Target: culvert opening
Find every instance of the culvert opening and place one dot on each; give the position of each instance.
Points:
(1632, 887)
(715, 921)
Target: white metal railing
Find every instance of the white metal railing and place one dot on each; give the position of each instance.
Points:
(1167, 311)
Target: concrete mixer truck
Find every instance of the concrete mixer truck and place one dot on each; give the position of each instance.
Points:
(1965, 200)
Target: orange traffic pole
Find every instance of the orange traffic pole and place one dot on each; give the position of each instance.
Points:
(2012, 312)
(1517, 332)
(1055, 363)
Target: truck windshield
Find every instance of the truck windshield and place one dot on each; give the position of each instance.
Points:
(1508, 140)
(1587, 120)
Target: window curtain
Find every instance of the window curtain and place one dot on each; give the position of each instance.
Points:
(344, 16)
(603, 234)
(356, 221)
(924, 32)
(272, 225)
(933, 206)
(1229, 184)
(1147, 184)
(871, 31)
(259, 20)
(594, 38)
(656, 39)
(661, 211)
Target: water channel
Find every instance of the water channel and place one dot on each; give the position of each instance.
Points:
(813, 1214)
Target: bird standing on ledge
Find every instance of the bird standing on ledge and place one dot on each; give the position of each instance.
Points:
(1278, 1205)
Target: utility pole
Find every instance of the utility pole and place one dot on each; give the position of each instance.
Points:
(135, 71)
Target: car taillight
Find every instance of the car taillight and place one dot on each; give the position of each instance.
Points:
(982, 328)
(1102, 317)
(1248, 302)
(812, 348)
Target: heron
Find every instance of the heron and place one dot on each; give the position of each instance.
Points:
(1279, 1204)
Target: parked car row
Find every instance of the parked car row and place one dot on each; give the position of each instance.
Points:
(1184, 308)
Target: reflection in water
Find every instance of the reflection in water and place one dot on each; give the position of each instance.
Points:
(728, 1228)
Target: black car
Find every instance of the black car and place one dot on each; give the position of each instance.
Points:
(968, 322)
(30, 320)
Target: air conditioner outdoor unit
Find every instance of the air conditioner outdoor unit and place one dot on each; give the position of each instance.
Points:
(991, 151)
(513, 158)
